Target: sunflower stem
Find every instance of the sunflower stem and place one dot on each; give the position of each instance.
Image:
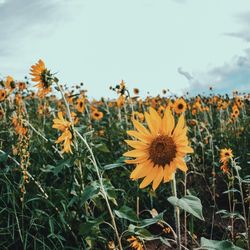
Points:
(177, 217)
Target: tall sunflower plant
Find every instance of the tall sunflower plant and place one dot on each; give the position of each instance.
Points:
(158, 153)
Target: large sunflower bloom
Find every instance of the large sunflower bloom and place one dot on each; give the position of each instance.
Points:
(158, 151)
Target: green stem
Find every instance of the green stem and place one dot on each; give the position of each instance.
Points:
(243, 204)
(177, 217)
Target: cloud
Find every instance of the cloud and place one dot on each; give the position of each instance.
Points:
(244, 34)
(233, 75)
(185, 73)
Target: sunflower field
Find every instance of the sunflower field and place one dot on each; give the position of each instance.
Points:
(162, 172)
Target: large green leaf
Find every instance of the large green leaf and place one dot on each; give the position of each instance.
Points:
(189, 203)
(126, 213)
(218, 245)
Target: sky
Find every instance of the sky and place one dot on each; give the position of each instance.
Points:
(181, 45)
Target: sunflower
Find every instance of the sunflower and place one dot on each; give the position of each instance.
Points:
(159, 151)
(80, 104)
(43, 77)
(2, 94)
(66, 137)
(135, 243)
(225, 155)
(180, 106)
(225, 168)
(120, 101)
(10, 83)
(136, 91)
(97, 115)
(21, 86)
(60, 123)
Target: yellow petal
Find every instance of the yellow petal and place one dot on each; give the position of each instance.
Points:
(135, 153)
(185, 149)
(158, 178)
(149, 178)
(180, 125)
(137, 160)
(156, 118)
(137, 144)
(140, 127)
(139, 136)
(141, 170)
(167, 124)
(151, 124)
(181, 164)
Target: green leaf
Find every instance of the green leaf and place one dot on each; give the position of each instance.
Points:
(218, 245)
(103, 148)
(188, 203)
(88, 193)
(233, 190)
(111, 166)
(90, 227)
(3, 156)
(126, 213)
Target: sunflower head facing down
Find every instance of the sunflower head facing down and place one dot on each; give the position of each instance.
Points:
(43, 77)
(159, 150)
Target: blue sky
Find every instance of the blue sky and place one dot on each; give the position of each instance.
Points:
(182, 45)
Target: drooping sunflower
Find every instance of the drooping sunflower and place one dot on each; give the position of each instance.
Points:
(180, 106)
(225, 154)
(160, 150)
(43, 77)
(66, 137)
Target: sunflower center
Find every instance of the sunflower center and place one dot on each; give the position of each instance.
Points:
(162, 150)
(180, 106)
